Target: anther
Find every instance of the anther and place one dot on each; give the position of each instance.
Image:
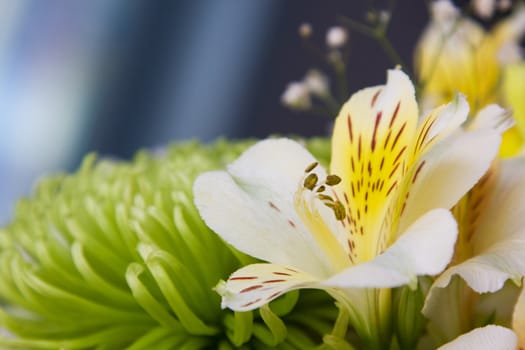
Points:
(332, 180)
(339, 210)
(310, 181)
(311, 167)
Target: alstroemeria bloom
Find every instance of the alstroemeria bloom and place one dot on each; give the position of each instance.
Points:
(378, 220)
(490, 250)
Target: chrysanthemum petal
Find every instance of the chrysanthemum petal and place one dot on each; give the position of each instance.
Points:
(255, 285)
(424, 249)
(487, 338)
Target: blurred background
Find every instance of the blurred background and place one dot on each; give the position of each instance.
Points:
(115, 76)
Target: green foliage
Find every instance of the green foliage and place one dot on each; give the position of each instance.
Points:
(116, 256)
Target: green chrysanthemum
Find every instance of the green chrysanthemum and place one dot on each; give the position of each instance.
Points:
(116, 256)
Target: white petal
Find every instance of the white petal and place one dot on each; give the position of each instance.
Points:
(255, 285)
(487, 338)
(272, 165)
(424, 249)
(504, 216)
(447, 171)
(518, 319)
(446, 119)
(251, 207)
(488, 272)
(492, 117)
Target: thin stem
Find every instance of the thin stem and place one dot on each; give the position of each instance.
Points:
(379, 34)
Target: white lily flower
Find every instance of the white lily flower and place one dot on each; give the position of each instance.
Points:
(379, 222)
(487, 338)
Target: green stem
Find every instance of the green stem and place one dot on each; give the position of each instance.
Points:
(379, 34)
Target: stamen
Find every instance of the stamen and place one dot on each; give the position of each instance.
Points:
(321, 188)
(325, 197)
(339, 211)
(310, 181)
(332, 180)
(311, 167)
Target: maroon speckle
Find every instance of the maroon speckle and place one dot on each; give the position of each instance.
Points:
(242, 278)
(251, 302)
(395, 114)
(273, 206)
(349, 122)
(249, 289)
(398, 135)
(417, 171)
(374, 98)
(274, 281)
(278, 273)
(274, 295)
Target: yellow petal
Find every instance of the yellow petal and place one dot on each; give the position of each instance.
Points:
(514, 93)
(371, 141)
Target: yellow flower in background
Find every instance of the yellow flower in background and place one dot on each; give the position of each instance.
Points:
(513, 96)
(457, 54)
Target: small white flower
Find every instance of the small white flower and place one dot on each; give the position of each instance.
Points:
(336, 37)
(317, 83)
(296, 96)
(484, 8)
(444, 11)
(504, 5)
(384, 16)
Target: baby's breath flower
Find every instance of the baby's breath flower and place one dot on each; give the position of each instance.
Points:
(484, 8)
(317, 83)
(296, 96)
(336, 37)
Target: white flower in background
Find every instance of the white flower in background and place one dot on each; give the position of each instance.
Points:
(336, 37)
(378, 221)
(457, 54)
(317, 83)
(297, 96)
(484, 8)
